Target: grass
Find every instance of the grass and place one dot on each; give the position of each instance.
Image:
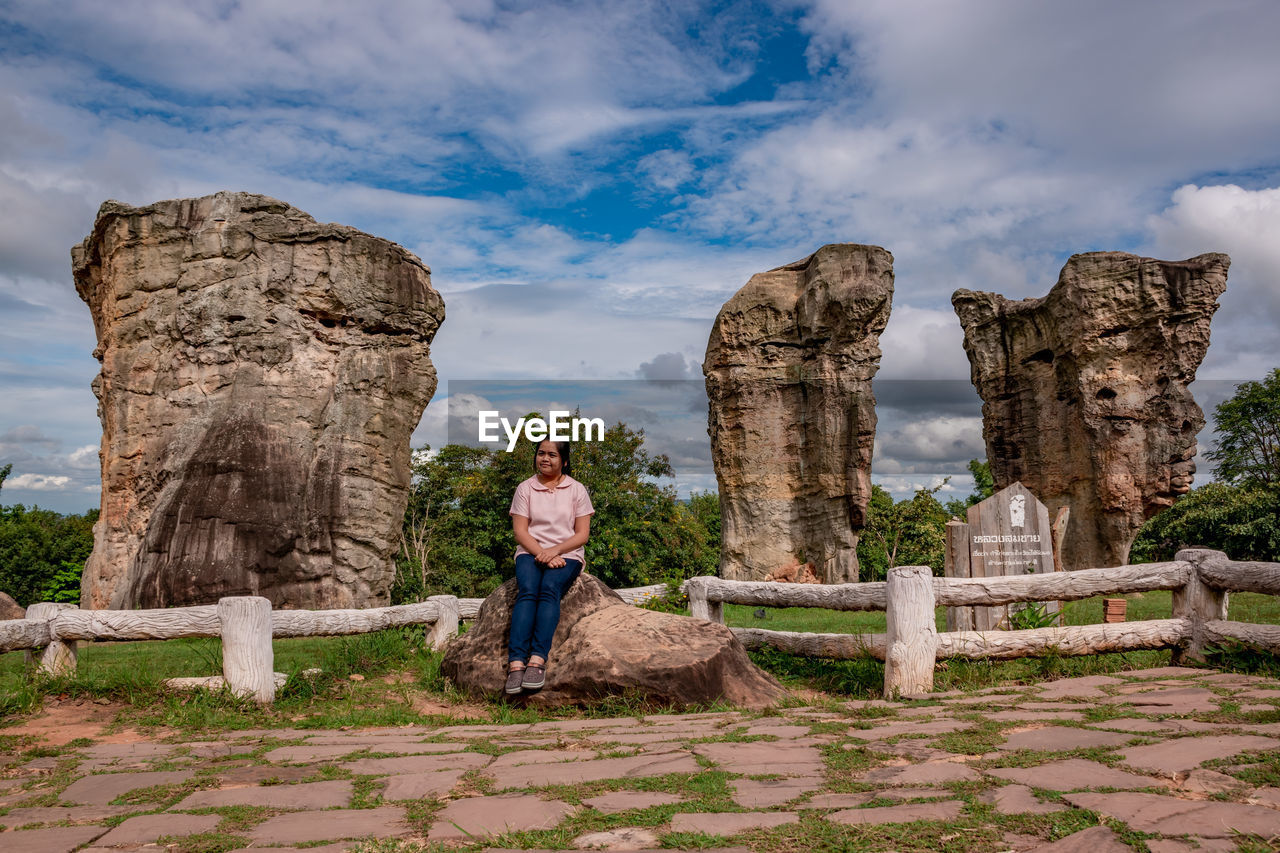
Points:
(394, 668)
(1241, 607)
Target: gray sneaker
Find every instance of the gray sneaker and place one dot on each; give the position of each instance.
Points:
(515, 681)
(534, 676)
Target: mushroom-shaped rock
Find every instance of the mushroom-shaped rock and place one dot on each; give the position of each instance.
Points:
(261, 375)
(792, 415)
(1084, 391)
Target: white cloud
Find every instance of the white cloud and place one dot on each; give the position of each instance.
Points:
(37, 482)
(85, 457)
(936, 440)
(1244, 224)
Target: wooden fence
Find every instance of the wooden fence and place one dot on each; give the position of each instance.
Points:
(1200, 580)
(246, 625)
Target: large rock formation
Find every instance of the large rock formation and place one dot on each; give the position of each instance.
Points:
(261, 375)
(605, 647)
(792, 419)
(1085, 394)
(10, 609)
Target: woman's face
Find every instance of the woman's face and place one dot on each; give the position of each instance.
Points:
(548, 459)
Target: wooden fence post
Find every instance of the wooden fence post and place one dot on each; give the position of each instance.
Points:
(59, 657)
(956, 565)
(446, 624)
(1197, 602)
(699, 606)
(248, 662)
(912, 632)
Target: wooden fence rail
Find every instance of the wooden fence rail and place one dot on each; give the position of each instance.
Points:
(1199, 578)
(246, 625)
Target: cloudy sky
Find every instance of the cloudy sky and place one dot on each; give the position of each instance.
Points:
(608, 173)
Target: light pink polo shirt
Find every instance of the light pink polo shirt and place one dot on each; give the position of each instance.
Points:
(551, 514)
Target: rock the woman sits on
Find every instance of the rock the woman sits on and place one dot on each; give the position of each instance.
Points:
(551, 518)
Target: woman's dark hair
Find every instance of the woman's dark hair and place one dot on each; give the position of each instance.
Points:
(562, 447)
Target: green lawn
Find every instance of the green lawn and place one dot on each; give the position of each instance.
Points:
(349, 692)
(1241, 606)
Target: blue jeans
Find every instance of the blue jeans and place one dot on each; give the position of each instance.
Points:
(536, 613)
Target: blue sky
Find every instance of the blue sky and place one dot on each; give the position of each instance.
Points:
(611, 173)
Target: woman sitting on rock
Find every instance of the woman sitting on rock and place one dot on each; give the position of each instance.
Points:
(551, 518)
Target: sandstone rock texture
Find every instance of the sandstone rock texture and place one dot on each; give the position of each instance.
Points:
(261, 375)
(792, 419)
(10, 609)
(606, 647)
(1084, 391)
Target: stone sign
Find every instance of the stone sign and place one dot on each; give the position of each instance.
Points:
(1007, 534)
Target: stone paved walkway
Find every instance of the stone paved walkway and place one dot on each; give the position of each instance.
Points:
(1173, 759)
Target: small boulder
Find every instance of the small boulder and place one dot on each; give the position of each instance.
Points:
(604, 646)
(10, 609)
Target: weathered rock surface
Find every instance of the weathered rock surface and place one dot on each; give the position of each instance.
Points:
(792, 416)
(1084, 391)
(10, 609)
(261, 375)
(604, 647)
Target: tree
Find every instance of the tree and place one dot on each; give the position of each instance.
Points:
(911, 532)
(1248, 450)
(42, 553)
(984, 486)
(457, 531)
(4, 474)
(1241, 521)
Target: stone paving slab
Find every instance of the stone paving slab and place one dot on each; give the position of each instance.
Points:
(1095, 839)
(337, 847)
(884, 731)
(417, 764)
(572, 772)
(621, 838)
(1073, 774)
(729, 823)
(1183, 754)
(256, 774)
(1201, 781)
(70, 814)
(540, 756)
(301, 827)
(1085, 687)
(1137, 725)
(481, 816)
(101, 789)
(145, 829)
(1173, 816)
(1034, 716)
(308, 795)
(1172, 700)
(940, 810)
(751, 759)
(1061, 739)
(1266, 797)
(1018, 799)
(417, 786)
(621, 801)
(839, 801)
(1165, 672)
(753, 794)
(323, 751)
(58, 839)
(779, 730)
(929, 773)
